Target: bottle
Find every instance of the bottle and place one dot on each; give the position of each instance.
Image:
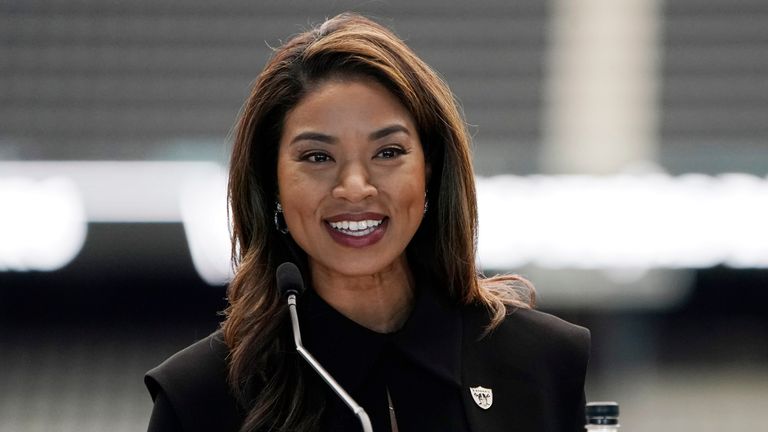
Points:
(602, 417)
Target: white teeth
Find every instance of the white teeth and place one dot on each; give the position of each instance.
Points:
(356, 228)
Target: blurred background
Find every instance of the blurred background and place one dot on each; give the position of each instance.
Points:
(621, 149)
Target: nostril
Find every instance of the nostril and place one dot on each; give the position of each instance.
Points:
(354, 189)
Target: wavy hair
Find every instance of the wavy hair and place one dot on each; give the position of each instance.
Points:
(264, 373)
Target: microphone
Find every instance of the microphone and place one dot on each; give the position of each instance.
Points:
(290, 284)
(289, 279)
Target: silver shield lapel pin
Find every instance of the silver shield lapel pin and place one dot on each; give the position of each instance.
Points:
(483, 396)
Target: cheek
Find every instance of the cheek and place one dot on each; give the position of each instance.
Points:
(300, 196)
(296, 193)
(284, 173)
(289, 179)
(410, 195)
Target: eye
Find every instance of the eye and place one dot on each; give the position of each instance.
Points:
(317, 157)
(390, 153)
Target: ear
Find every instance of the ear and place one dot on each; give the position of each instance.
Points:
(427, 172)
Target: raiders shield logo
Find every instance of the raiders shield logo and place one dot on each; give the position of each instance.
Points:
(483, 396)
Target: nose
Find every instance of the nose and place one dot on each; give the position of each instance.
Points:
(354, 183)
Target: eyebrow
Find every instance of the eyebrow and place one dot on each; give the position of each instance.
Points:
(313, 136)
(389, 130)
(321, 137)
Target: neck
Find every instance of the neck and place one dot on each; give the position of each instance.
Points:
(380, 302)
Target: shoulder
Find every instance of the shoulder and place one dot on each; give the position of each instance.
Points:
(529, 335)
(196, 367)
(542, 328)
(536, 364)
(194, 380)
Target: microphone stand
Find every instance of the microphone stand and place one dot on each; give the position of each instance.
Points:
(357, 409)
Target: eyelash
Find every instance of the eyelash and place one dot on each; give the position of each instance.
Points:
(313, 156)
(397, 151)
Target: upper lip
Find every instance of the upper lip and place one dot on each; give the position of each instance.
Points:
(355, 217)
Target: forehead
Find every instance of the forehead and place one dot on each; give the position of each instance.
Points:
(343, 102)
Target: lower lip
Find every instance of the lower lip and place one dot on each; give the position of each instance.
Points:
(358, 242)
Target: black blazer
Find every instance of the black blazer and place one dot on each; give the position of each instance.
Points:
(534, 363)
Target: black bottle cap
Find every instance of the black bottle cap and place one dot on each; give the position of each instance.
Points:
(602, 413)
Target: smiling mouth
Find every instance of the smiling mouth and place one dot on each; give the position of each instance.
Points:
(356, 228)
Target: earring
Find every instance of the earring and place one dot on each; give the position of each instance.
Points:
(426, 203)
(280, 219)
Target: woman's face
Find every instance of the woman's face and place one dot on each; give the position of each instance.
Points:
(351, 176)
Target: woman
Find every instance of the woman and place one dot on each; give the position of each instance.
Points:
(352, 160)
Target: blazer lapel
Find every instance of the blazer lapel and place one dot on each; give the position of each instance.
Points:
(478, 371)
(497, 362)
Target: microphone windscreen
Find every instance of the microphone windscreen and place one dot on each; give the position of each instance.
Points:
(289, 279)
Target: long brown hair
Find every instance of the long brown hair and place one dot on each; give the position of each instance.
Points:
(264, 373)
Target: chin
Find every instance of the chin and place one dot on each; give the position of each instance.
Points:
(360, 268)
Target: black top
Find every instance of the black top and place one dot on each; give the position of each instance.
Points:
(420, 365)
(532, 367)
